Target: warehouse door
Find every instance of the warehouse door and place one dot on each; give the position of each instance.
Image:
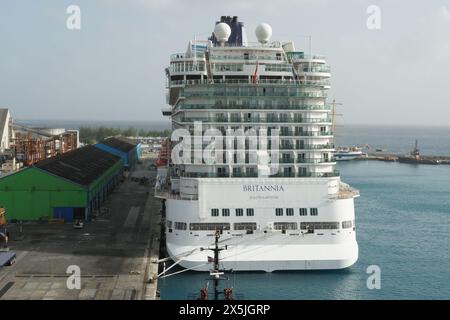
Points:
(63, 213)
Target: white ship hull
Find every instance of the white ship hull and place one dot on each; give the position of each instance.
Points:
(270, 257)
(266, 249)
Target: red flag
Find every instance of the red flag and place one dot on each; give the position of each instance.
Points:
(210, 259)
(255, 75)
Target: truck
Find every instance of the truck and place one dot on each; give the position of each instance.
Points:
(7, 258)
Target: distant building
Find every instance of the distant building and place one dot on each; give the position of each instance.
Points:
(128, 150)
(5, 118)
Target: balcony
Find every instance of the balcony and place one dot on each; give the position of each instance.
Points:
(255, 175)
(315, 146)
(220, 175)
(254, 120)
(315, 161)
(316, 68)
(286, 160)
(314, 133)
(254, 105)
(307, 174)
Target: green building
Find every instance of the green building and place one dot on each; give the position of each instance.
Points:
(69, 186)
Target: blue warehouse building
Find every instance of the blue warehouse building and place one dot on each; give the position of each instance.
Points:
(127, 150)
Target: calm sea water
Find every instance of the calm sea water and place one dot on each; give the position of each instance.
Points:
(403, 226)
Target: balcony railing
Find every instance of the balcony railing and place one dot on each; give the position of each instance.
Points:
(299, 160)
(183, 55)
(242, 57)
(220, 175)
(255, 175)
(269, 82)
(221, 93)
(315, 146)
(253, 106)
(307, 174)
(314, 133)
(306, 68)
(252, 120)
(296, 135)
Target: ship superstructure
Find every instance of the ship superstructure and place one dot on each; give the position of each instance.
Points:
(252, 156)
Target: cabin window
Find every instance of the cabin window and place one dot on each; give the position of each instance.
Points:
(180, 225)
(285, 226)
(289, 211)
(279, 212)
(239, 212)
(303, 211)
(347, 224)
(209, 226)
(250, 212)
(319, 225)
(225, 212)
(313, 212)
(215, 212)
(245, 226)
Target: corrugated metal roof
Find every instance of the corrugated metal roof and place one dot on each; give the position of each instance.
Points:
(119, 144)
(82, 166)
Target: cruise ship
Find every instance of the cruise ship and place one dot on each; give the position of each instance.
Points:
(251, 155)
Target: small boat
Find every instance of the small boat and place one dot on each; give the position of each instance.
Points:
(347, 153)
(415, 158)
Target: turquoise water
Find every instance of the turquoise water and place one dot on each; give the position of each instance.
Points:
(403, 226)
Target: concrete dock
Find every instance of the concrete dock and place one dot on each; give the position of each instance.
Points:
(114, 253)
(392, 157)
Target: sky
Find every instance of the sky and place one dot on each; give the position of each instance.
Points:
(113, 67)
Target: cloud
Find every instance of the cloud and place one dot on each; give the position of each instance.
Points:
(226, 5)
(443, 14)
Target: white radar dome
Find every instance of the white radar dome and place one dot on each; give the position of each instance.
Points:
(263, 32)
(222, 31)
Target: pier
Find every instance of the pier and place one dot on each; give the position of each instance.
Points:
(114, 252)
(392, 157)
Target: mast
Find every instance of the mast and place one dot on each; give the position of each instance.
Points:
(216, 272)
(216, 266)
